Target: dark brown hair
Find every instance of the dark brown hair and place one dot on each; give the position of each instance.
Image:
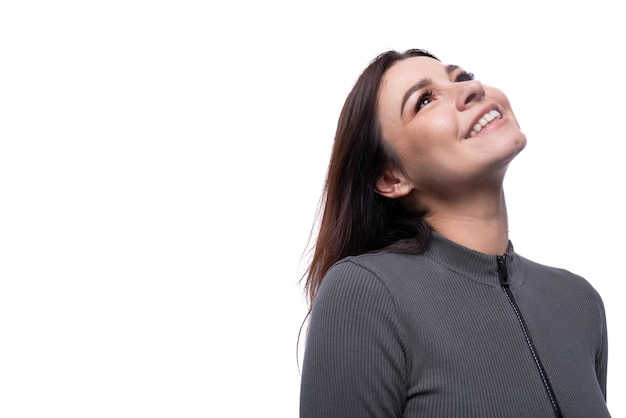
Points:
(353, 218)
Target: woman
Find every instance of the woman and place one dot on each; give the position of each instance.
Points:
(419, 306)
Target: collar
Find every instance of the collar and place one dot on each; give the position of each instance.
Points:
(474, 265)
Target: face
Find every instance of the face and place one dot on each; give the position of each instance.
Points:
(450, 132)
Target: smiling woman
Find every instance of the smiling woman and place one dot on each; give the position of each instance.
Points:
(419, 305)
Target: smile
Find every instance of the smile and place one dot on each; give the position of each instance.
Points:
(484, 121)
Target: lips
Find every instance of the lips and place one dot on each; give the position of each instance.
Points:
(484, 120)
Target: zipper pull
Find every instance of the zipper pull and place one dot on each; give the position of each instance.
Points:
(502, 271)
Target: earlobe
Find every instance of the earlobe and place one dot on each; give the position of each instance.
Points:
(392, 185)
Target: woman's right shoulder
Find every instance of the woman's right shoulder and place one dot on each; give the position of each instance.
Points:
(366, 271)
(371, 264)
(354, 284)
(351, 274)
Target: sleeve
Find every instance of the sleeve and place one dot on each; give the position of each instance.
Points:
(354, 361)
(602, 351)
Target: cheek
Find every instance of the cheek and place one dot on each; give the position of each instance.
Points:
(437, 133)
(428, 140)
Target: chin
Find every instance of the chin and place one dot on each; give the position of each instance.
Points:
(521, 143)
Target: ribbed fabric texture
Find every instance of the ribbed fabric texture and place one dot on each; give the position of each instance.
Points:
(434, 335)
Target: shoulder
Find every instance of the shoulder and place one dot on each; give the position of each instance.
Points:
(377, 279)
(363, 277)
(354, 296)
(554, 273)
(383, 269)
(360, 274)
(385, 264)
(566, 282)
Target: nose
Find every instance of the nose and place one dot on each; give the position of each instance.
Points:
(469, 92)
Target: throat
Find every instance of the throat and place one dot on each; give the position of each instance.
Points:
(485, 235)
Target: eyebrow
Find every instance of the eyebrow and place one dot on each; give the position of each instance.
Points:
(423, 83)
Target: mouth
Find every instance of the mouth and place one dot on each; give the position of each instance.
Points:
(484, 120)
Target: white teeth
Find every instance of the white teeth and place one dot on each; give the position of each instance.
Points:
(484, 120)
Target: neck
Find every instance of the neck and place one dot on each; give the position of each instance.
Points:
(479, 224)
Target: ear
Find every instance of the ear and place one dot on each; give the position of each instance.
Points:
(392, 184)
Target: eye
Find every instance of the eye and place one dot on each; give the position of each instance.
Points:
(424, 100)
(464, 76)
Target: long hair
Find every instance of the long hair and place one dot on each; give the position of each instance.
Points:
(353, 219)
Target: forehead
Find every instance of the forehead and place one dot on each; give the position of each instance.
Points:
(422, 66)
(405, 73)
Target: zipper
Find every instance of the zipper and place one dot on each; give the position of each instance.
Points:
(504, 282)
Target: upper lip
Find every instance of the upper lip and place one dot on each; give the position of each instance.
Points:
(479, 115)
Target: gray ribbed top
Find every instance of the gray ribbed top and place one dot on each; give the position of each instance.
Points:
(434, 335)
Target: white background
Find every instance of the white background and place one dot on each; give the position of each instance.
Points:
(161, 161)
